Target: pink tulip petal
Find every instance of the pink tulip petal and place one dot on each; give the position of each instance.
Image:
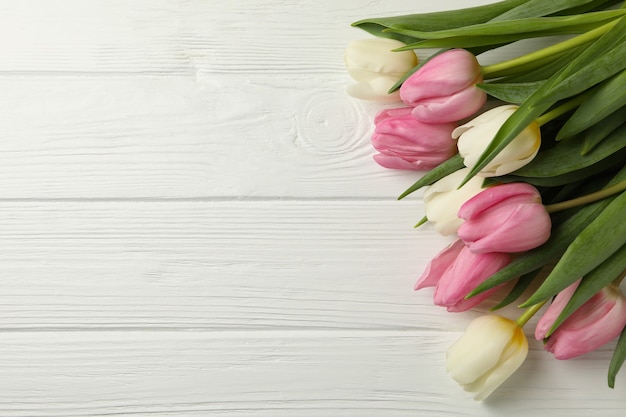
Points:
(466, 273)
(508, 229)
(394, 112)
(438, 265)
(456, 106)
(443, 75)
(554, 310)
(600, 320)
(494, 195)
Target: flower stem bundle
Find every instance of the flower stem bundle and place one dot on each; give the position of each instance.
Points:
(533, 187)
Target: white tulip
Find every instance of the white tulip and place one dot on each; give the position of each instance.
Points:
(444, 198)
(475, 135)
(489, 352)
(377, 68)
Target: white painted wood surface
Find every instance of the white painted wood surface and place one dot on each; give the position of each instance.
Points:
(191, 225)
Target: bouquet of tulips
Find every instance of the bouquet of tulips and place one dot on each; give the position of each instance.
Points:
(523, 162)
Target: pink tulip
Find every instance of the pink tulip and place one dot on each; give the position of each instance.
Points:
(595, 323)
(504, 218)
(443, 90)
(406, 143)
(456, 271)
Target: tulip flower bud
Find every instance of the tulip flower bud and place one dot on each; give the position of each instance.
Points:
(443, 200)
(595, 323)
(443, 90)
(475, 135)
(456, 271)
(406, 143)
(505, 218)
(377, 68)
(490, 351)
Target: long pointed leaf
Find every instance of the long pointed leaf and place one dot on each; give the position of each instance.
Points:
(515, 93)
(562, 235)
(545, 25)
(445, 168)
(567, 156)
(619, 356)
(608, 164)
(588, 69)
(606, 98)
(520, 286)
(437, 20)
(602, 130)
(595, 243)
(536, 8)
(593, 282)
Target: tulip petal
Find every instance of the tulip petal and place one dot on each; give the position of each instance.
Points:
(443, 75)
(495, 195)
(510, 229)
(511, 359)
(479, 349)
(437, 266)
(450, 108)
(598, 321)
(374, 90)
(465, 274)
(443, 200)
(554, 310)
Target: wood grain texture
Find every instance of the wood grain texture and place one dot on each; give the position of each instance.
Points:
(279, 373)
(191, 224)
(179, 99)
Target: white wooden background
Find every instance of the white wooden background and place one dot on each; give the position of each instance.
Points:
(191, 224)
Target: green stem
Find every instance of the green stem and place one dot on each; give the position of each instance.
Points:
(619, 279)
(586, 199)
(526, 315)
(561, 110)
(421, 222)
(496, 70)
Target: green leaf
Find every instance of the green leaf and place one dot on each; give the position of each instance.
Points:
(537, 70)
(604, 100)
(592, 283)
(568, 156)
(545, 25)
(562, 235)
(515, 93)
(466, 42)
(595, 243)
(446, 168)
(437, 20)
(596, 63)
(619, 355)
(600, 131)
(605, 58)
(593, 6)
(536, 8)
(520, 286)
(604, 165)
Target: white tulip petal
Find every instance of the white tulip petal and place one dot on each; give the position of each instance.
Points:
(376, 89)
(443, 200)
(479, 349)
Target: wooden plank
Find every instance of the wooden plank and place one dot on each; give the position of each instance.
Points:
(215, 265)
(279, 373)
(179, 138)
(186, 99)
(165, 37)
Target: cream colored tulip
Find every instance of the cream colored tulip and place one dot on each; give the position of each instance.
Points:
(475, 135)
(377, 68)
(489, 352)
(444, 198)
